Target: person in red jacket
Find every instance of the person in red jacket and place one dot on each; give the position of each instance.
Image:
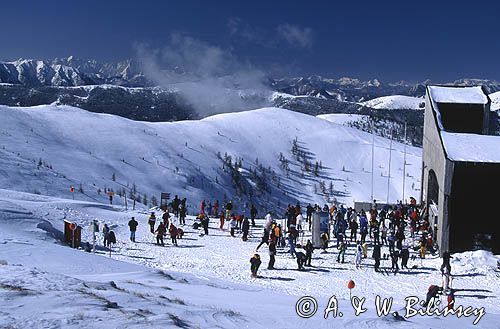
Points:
(173, 233)
(202, 207)
(221, 218)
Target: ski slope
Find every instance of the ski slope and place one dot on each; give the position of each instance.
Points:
(204, 282)
(79, 148)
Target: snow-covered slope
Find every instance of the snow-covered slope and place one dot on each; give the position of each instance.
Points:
(395, 102)
(46, 149)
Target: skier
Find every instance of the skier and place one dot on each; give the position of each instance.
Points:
(432, 292)
(365, 249)
(353, 225)
(324, 241)
(384, 233)
(394, 259)
(202, 207)
(301, 260)
(245, 227)
(216, 207)
(405, 255)
(376, 255)
(175, 205)
(173, 233)
(229, 207)
(166, 217)
(105, 232)
(209, 209)
(182, 213)
(363, 223)
(309, 211)
(376, 233)
(272, 252)
(299, 221)
(342, 248)
(359, 252)
(255, 264)
(160, 232)
(133, 227)
(111, 238)
(152, 221)
(291, 243)
(233, 224)
(253, 214)
(221, 220)
(309, 248)
(446, 262)
(204, 223)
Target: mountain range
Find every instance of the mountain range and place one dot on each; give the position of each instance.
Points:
(123, 89)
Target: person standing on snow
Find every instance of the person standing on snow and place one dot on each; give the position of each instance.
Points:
(221, 220)
(446, 262)
(291, 244)
(377, 255)
(173, 233)
(267, 230)
(359, 254)
(166, 217)
(342, 248)
(160, 232)
(132, 224)
(272, 253)
(233, 225)
(255, 264)
(253, 214)
(152, 221)
(182, 213)
(309, 248)
(216, 208)
(105, 232)
(245, 227)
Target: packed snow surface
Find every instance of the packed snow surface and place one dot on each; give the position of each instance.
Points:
(205, 281)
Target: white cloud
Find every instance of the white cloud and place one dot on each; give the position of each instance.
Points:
(295, 35)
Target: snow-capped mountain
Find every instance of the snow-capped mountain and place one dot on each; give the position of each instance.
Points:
(396, 102)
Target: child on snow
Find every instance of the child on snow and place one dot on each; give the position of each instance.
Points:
(255, 264)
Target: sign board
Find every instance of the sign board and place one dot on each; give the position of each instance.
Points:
(165, 196)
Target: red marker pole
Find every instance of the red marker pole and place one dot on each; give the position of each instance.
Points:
(72, 190)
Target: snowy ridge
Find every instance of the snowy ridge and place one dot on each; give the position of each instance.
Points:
(395, 102)
(182, 157)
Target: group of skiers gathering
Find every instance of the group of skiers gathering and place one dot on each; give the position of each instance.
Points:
(348, 229)
(360, 231)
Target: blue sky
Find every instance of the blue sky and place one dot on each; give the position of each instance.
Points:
(388, 40)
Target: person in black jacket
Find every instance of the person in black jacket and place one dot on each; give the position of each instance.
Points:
(301, 259)
(245, 227)
(253, 214)
(255, 264)
(405, 255)
(272, 252)
(446, 262)
(376, 255)
(309, 248)
(133, 227)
